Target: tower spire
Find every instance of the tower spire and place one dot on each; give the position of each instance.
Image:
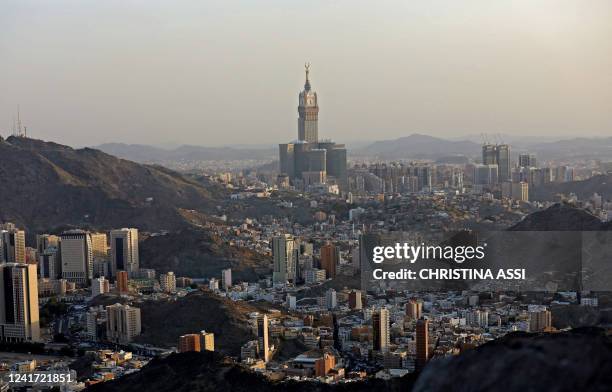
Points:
(307, 69)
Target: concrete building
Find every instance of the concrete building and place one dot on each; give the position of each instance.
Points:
(77, 256)
(122, 323)
(124, 251)
(330, 257)
(540, 320)
(121, 282)
(285, 255)
(380, 330)
(99, 286)
(226, 279)
(12, 245)
(49, 263)
(414, 309)
(354, 300)
(19, 320)
(207, 341)
(263, 345)
(167, 282)
(189, 342)
(422, 343)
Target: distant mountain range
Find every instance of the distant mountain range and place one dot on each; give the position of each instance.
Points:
(149, 154)
(414, 146)
(418, 146)
(47, 185)
(600, 184)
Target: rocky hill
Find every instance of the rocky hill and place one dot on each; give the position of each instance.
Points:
(579, 360)
(47, 185)
(200, 254)
(601, 184)
(195, 312)
(561, 217)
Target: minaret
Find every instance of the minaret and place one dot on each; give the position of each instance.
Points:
(308, 110)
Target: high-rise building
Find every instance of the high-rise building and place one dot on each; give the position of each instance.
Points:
(330, 257)
(489, 154)
(19, 303)
(331, 299)
(226, 278)
(77, 256)
(99, 245)
(498, 154)
(486, 174)
(414, 309)
(285, 254)
(324, 364)
(49, 263)
(167, 282)
(99, 286)
(520, 191)
(354, 300)
(422, 343)
(380, 330)
(124, 251)
(309, 161)
(189, 342)
(540, 320)
(207, 341)
(122, 323)
(503, 162)
(121, 282)
(44, 241)
(527, 160)
(308, 111)
(263, 346)
(12, 245)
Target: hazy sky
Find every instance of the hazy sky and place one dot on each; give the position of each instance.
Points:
(222, 72)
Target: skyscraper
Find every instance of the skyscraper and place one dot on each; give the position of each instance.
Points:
(527, 160)
(49, 263)
(285, 255)
(330, 256)
(77, 256)
(19, 303)
(308, 161)
(422, 343)
(124, 251)
(44, 241)
(498, 154)
(12, 245)
(263, 346)
(380, 330)
(503, 162)
(122, 323)
(308, 111)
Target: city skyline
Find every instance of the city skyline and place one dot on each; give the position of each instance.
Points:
(180, 75)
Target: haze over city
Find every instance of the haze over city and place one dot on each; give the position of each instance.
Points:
(215, 73)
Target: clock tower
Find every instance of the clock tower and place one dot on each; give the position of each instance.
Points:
(308, 110)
